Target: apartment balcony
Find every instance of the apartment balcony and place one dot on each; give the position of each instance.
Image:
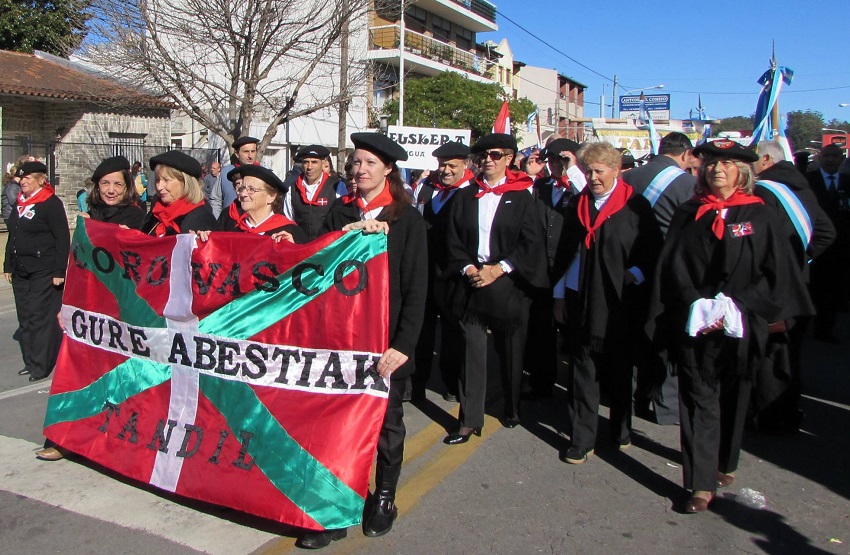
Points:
(423, 55)
(479, 16)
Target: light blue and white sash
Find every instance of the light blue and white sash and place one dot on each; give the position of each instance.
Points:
(793, 207)
(657, 186)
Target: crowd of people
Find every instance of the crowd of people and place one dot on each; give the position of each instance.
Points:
(678, 290)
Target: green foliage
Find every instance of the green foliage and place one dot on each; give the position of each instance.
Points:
(734, 123)
(803, 128)
(451, 101)
(834, 123)
(54, 26)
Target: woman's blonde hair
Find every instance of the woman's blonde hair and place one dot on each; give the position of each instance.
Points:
(746, 180)
(192, 190)
(599, 153)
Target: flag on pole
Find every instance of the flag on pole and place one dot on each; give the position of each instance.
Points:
(771, 81)
(225, 371)
(503, 120)
(653, 133)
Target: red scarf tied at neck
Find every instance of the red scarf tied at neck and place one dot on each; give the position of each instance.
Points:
(384, 198)
(302, 189)
(167, 214)
(273, 222)
(444, 190)
(41, 195)
(562, 183)
(517, 181)
(616, 201)
(711, 202)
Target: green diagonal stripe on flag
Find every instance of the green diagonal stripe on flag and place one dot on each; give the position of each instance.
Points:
(129, 378)
(256, 311)
(133, 308)
(295, 472)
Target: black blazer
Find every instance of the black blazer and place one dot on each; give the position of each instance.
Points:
(200, 218)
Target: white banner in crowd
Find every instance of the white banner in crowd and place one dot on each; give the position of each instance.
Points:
(420, 142)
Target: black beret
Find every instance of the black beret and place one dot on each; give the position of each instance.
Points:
(628, 160)
(30, 167)
(110, 165)
(263, 174)
(179, 161)
(234, 172)
(557, 146)
(724, 148)
(242, 141)
(379, 144)
(312, 151)
(495, 140)
(451, 149)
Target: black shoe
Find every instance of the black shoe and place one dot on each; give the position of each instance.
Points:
(450, 397)
(509, 422)
(381, 518)
(318, 540)
(577, 455)
(23, 372)
(37, 378)
(457, 438)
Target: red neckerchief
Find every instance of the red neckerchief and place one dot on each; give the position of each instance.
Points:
(445, 190)
(320, 201)
(237, 163)
(274, 221)
(41, 195)
(621, 193)
(517, 181)
(562, 182)
(167, 214)
(384, 198)
(711, 202)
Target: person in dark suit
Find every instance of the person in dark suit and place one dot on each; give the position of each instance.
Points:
(435, 198)
(179, 205)
(606, 254)
(722, 284)
(552, 194)
(310, 198)
(830, 273)
(809, 232)
(495, 254)
(381, 204)
(114, 198)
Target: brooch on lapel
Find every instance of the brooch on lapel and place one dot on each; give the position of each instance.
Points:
(741, 229)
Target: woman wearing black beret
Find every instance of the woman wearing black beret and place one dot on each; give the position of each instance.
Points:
(36, 259)
(179, 205)
(381, 204)
(113, 198)
(722, 284)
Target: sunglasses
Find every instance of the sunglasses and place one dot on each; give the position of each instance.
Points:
(494, 155)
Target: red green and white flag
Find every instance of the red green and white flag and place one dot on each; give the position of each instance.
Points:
(236, 371)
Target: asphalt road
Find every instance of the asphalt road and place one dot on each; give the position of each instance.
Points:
(506, 492)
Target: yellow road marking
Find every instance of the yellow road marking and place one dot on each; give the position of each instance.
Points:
(415, 486)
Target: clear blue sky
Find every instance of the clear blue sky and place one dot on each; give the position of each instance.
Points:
(717, 49)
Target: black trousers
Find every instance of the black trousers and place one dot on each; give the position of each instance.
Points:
(451, 350)
(589, 372)
(712, 415)
(391, 438)
(541, 354)
(472, 386)
(37, 302)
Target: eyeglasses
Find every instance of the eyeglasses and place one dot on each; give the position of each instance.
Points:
(251, 190)
(494, 155)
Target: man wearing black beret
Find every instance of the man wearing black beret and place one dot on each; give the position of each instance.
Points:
(310, 200)
(495, 250)
(245, 150)
(434, 200)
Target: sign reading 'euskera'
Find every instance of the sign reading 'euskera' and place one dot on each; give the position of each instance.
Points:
(235, 371)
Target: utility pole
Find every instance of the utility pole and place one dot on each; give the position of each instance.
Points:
(401, 65)
(344, 88)
(602, 103)
(614, 99)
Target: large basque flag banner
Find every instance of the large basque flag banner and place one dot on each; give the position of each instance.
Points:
(235, 371)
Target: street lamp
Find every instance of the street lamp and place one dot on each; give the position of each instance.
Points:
(635, 90)
(844, 104)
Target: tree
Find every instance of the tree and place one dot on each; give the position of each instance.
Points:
(734, 123)
(835, 124)
(54, 26)
(450, 100)
(803, 128)
(227, 63)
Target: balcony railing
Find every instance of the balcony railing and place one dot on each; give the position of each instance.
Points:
(479, 7)
(386, 37)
